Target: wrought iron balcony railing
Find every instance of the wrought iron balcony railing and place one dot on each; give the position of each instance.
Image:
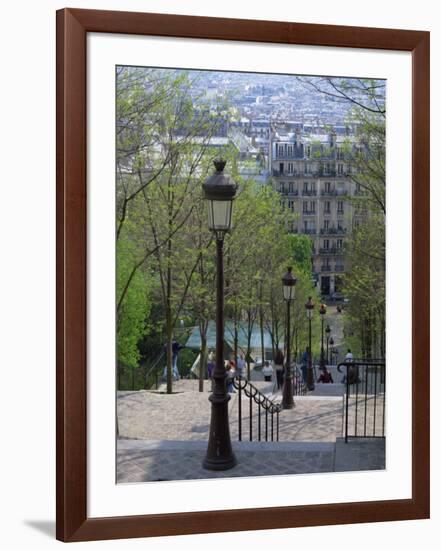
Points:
(333, 231)
(332, 250)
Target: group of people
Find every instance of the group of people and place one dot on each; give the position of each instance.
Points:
(239, 369)
(232, 369)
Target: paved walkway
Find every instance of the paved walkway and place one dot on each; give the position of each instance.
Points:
(185, 416)
(140, 461)
(164, 437)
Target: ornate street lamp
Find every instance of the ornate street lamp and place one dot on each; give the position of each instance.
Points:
(328, 333)
(331, 343)
(219, 191)
(310, 375)
(322, 312)
(289, 289)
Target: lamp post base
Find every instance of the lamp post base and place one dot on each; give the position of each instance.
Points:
(287, 394)
(220, 454)
(219, 463)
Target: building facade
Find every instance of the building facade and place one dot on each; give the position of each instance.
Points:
(312, 174)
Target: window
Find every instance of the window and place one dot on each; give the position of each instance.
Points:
(326, 224)
(282, 187)
(339, 243)
(340, 207)
(290, 168)
(291, 187)
(281, 167)
(327, 207)
(305, 206)
(312, 207)
(340, 168)
(291, 205)
(305, 186)
(327, 187)
(339, 225)
(326, 244)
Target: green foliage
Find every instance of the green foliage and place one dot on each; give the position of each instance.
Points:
(301, 250)
(134, 310)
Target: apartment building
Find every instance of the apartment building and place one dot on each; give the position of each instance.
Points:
(311, 172)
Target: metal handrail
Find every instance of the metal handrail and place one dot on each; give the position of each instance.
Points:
(154, 369)
(364, 389)
(269, 407)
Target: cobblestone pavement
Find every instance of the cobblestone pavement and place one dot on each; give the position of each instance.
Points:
(360, 454)
(185, 416)
(164, 437)
(140, 461)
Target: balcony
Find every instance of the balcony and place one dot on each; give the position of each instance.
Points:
(289, 193)
(334, 193)
(325, 268)
(339, 268)
(334, 250)
(333, 231)
(309, 192)
(308, 212)
(327, 173)
(307, 231)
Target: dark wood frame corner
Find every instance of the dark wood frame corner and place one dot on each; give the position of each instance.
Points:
(72, 28)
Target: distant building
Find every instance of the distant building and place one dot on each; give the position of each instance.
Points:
(311, 172)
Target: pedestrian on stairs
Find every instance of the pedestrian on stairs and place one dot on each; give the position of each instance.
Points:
(267, 372)
(278, 363)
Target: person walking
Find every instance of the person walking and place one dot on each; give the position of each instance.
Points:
(231, 373)
(267, 372)
(210, 364)
(278, 363)
(305, 360)
(241, 366)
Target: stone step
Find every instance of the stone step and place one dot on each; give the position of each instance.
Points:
(141, 461)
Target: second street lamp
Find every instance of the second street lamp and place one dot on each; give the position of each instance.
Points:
(322, 312)
(289, 289)
(331, 343)
(328, 333)
(310, 375)
(219, 191)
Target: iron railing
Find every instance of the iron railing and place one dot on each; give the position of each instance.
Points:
(364, 403)
(266, 408)
(153, 374)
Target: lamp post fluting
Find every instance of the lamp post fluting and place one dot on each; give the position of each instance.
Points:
(310, 374)
(289, 288)
(328, 333)
(219, 191)
(322, 312)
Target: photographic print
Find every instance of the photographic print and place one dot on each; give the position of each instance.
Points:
(250, 274)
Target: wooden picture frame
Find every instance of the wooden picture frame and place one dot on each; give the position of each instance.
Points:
(73, 524)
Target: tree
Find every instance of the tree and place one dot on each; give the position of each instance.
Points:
(364, 281)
